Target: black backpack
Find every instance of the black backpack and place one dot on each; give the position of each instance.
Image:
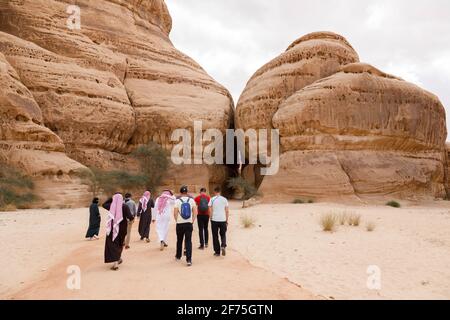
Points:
(204, 204)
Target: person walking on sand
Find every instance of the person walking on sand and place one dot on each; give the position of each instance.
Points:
(162, 213)
(132, 206)
(202, 202)
(184, 213)
(116, 229)
(145, 215)
(94, 221)
(219, 221)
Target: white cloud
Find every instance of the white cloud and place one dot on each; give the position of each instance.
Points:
(231, 39)
(377, 12)
(406, 71)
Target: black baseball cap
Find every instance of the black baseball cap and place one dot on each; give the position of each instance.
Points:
(184, 189)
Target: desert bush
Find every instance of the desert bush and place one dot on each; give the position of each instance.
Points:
(114, 181)
(247, 221)
(110, 181)
(16, 189)
(240, 184)
(302, 201)
(393, 204)
(154, 162)
(328, 222)
(8, 208)
(354, 220)
(370, 226)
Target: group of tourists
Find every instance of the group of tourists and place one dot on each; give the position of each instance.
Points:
(184, 209)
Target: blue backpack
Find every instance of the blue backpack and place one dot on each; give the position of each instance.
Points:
(186, 211)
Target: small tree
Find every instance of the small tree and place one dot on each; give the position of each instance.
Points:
(111, 181)
(153, 164)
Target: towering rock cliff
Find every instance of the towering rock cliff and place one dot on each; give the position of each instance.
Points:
(99, 92)
(355, 132)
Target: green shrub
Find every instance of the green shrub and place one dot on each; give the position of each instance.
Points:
(113, 181)
(301, 201)
(16, 189)
(153, 165)
(240, 184)
(393, 204)
(154, 162)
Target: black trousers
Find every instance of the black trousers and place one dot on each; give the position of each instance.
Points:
(184, 231)
(203, 222)
(219, 228)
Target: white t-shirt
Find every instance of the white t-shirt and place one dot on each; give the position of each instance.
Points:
(178, 205)
(218, 205)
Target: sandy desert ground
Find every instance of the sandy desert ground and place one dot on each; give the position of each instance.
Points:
(285, 255)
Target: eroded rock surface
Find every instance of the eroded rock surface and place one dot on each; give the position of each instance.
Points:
(355, 132)
(111, 86)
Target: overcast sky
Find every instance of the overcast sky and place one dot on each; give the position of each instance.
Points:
(231, 39)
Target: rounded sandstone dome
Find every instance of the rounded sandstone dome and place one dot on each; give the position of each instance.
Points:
(312, 57)
(320, 36)
(362, 107)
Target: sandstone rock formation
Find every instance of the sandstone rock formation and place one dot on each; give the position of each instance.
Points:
(358, 133)
(27, 143)
(99, 92)
(312, 57)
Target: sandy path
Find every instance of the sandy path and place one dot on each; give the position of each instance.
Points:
(146, 273)
(411, 246)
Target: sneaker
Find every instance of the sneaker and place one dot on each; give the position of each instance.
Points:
(178, 259)
(224, 252)
(206, 245)
(161, 246)
(201, 248)
(120, 261)
(184, 253)
(189, 263)
(216, 254)
(147, 240)
(165, 244)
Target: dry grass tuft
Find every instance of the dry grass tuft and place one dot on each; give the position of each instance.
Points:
(343, 218)
(354, 220)
(248, 222)
(370, 226)
(328, 222)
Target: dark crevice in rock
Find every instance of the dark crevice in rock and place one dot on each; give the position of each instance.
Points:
(345, 171)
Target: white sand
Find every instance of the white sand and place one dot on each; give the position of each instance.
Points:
(39, 245)
(411, 246)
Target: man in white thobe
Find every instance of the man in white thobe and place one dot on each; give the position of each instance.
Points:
(162, 213)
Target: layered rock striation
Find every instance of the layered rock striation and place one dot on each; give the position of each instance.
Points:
(355, 133)
(100, 91)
